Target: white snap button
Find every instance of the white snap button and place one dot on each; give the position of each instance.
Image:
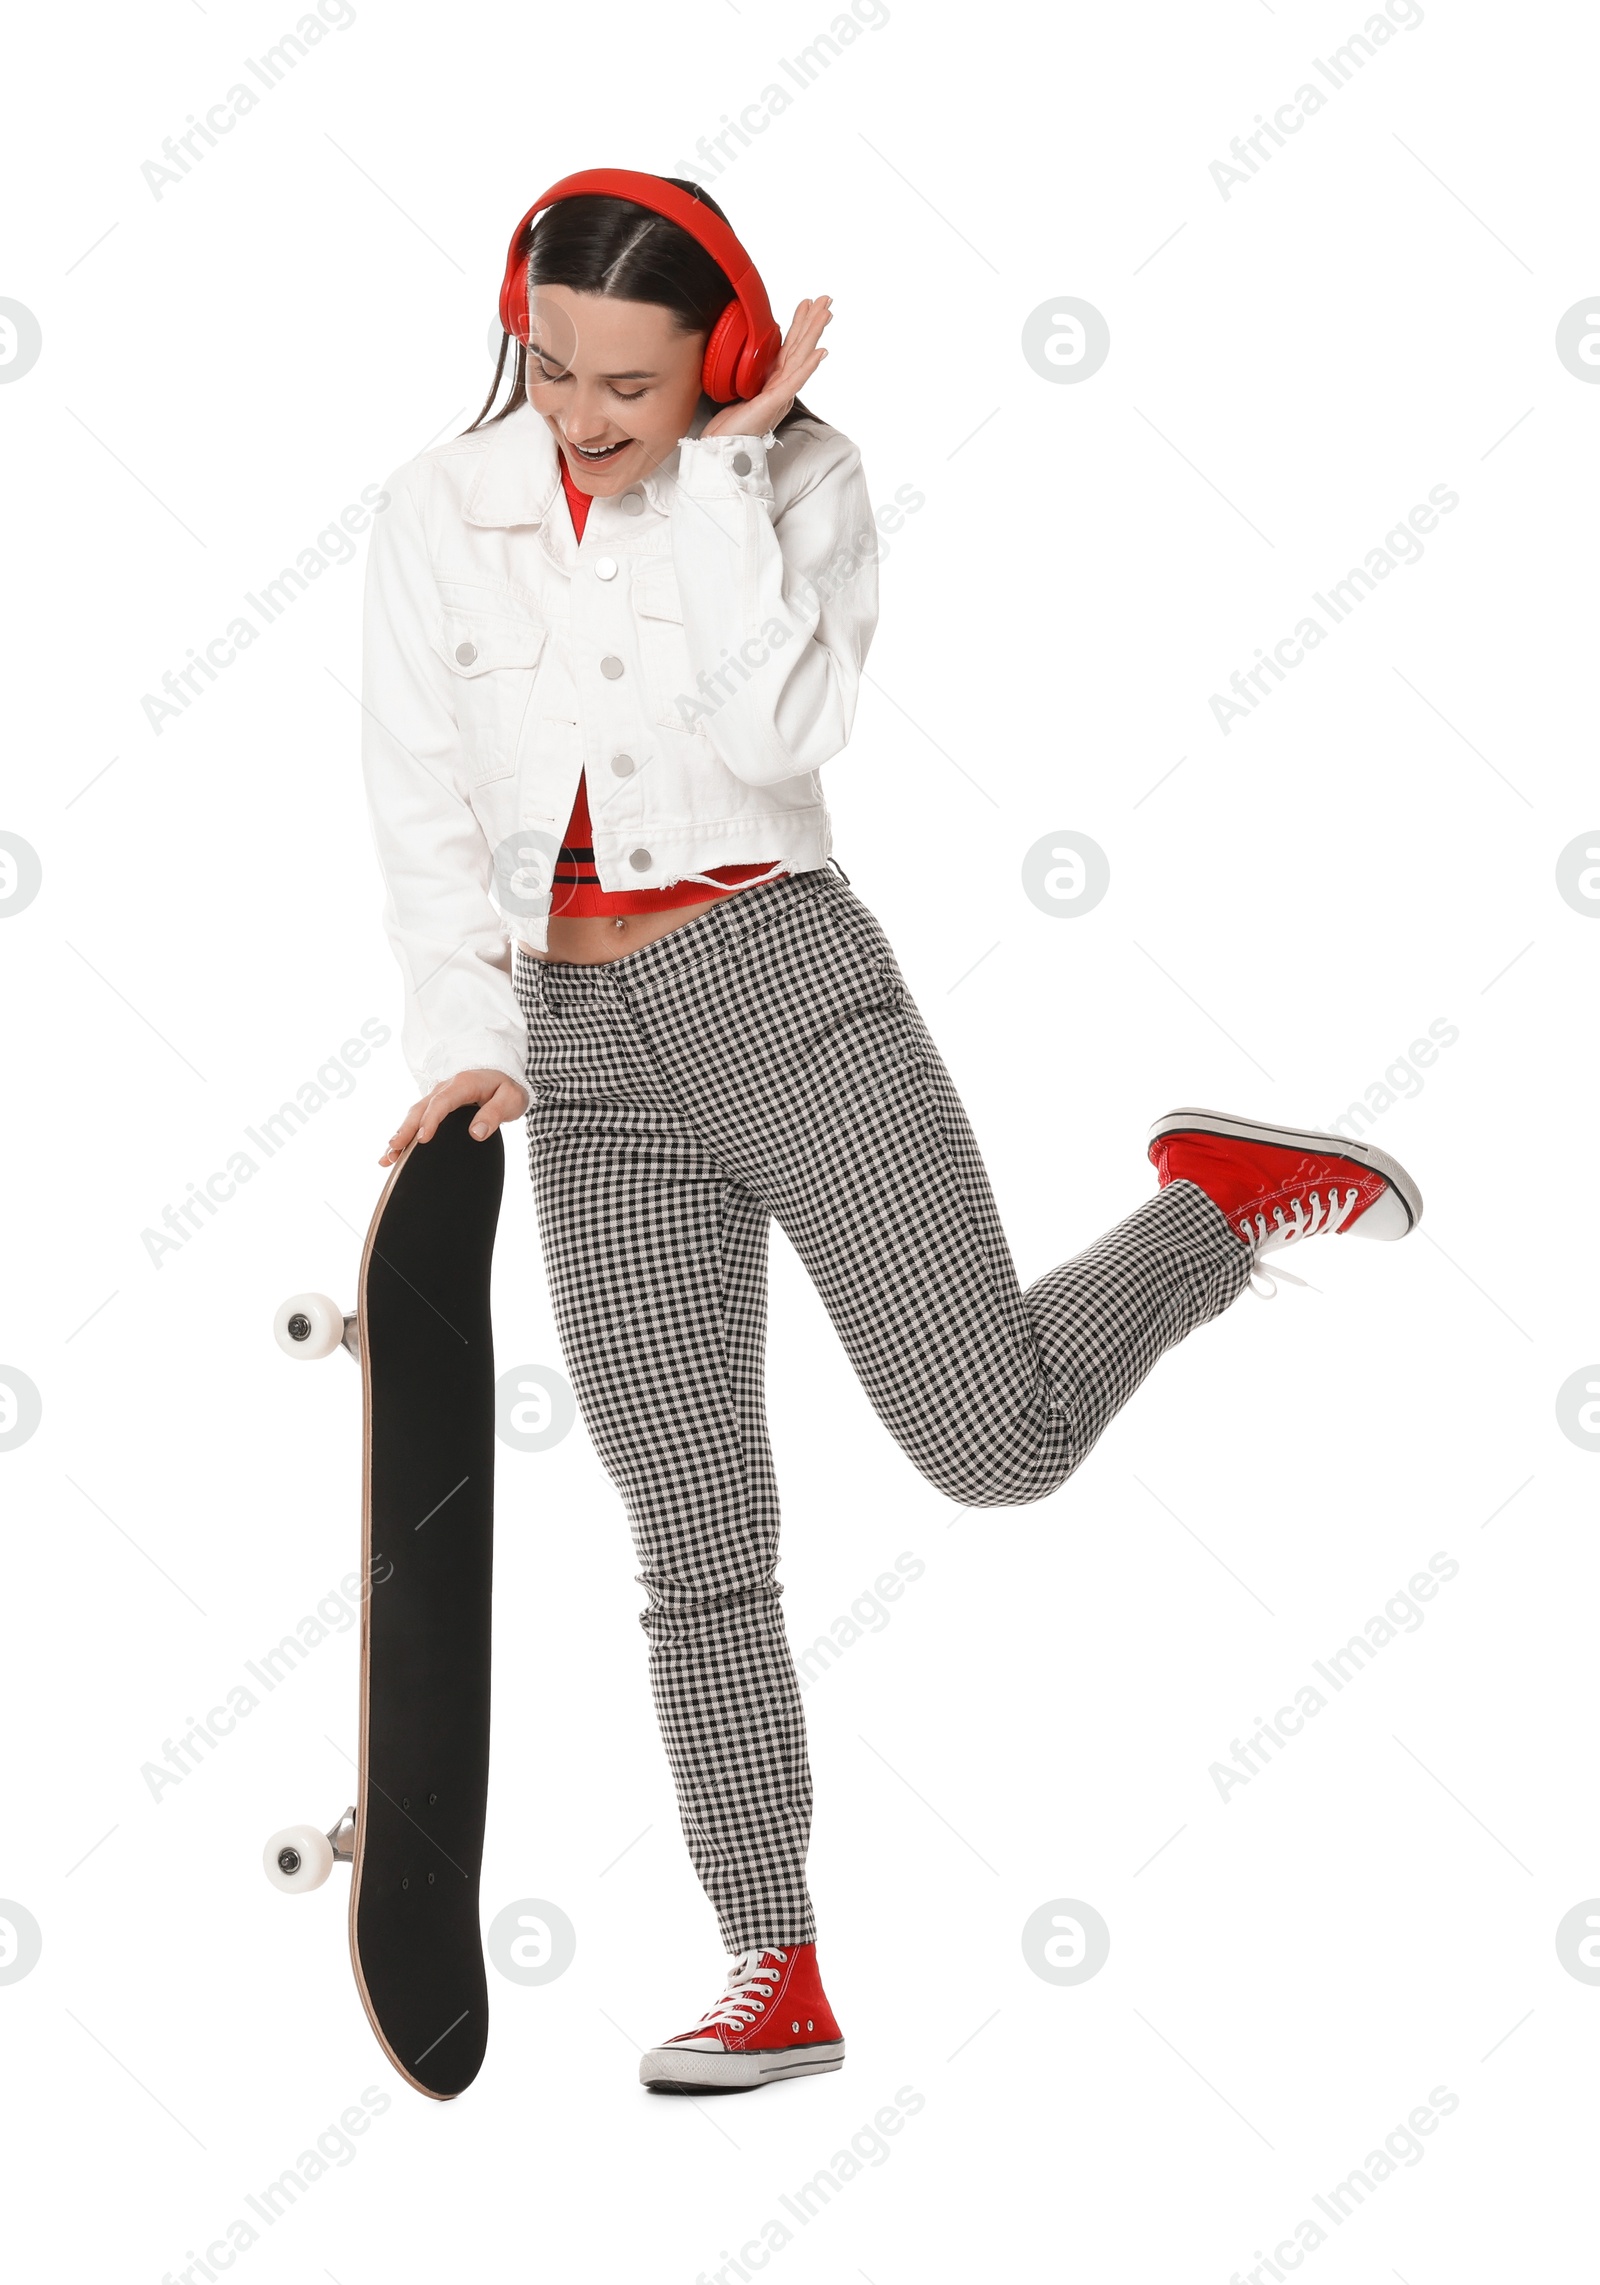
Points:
(623, 765)
(466, 653)
(639, 859)
(611, 668)
(740, 464)
(605, 567)
(633, 503)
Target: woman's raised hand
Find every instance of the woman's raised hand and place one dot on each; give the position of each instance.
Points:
(498, 1098)
(798, 359)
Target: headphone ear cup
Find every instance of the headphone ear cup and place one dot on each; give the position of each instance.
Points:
(756, 363)
(724, 352)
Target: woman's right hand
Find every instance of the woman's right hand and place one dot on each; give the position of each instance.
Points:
(498, 1098)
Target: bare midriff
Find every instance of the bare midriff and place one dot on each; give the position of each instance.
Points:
(586, 940)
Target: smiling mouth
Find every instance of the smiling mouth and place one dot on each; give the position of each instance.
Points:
(606, 451)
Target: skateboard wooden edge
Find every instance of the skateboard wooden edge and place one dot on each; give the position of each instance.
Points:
(373, 1227)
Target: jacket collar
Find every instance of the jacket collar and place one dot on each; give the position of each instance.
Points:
(520, 476)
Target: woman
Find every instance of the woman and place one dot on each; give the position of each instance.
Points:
(613, 632)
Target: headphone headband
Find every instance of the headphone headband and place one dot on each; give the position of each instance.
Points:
(744, 342)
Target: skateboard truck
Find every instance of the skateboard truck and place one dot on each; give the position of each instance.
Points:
(300, 1858)
(310, 1325)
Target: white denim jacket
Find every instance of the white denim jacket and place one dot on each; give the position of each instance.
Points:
(698, 655)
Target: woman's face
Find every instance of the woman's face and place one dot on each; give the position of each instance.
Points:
(614, 376)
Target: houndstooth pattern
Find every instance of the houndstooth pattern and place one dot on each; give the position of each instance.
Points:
(766, 1062)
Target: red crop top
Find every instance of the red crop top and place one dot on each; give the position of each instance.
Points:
(577, 892)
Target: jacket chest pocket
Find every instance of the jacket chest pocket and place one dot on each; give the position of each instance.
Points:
(493, 662)
(664, 648)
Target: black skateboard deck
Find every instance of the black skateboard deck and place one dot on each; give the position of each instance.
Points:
(427, 1375)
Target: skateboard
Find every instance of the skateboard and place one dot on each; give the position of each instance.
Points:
(414, 1837)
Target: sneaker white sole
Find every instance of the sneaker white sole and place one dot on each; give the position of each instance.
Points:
(1376, 1222)
(699, 2071)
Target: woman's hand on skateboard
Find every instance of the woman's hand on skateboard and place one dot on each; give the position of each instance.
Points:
(498, 1098)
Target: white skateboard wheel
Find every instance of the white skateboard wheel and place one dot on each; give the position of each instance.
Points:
(308, 1325)
(298, 1858)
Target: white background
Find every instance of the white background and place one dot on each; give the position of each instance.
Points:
(1291, 1972)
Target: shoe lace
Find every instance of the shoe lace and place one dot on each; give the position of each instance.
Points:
(749, 1987)
(1311, 1216)
(1266, 1277)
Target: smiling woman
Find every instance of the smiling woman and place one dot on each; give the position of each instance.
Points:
(617, 383)
(651, 512)
(609, 252)
(610, 317)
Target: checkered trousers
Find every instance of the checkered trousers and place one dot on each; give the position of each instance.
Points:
(762, 1062)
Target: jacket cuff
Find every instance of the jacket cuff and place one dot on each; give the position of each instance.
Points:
(726, 466)
(472, 1051)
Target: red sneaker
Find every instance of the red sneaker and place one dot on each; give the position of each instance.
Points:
(773, 2021)
(1277, 1184)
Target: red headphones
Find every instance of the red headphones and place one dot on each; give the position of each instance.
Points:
(744, 342)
